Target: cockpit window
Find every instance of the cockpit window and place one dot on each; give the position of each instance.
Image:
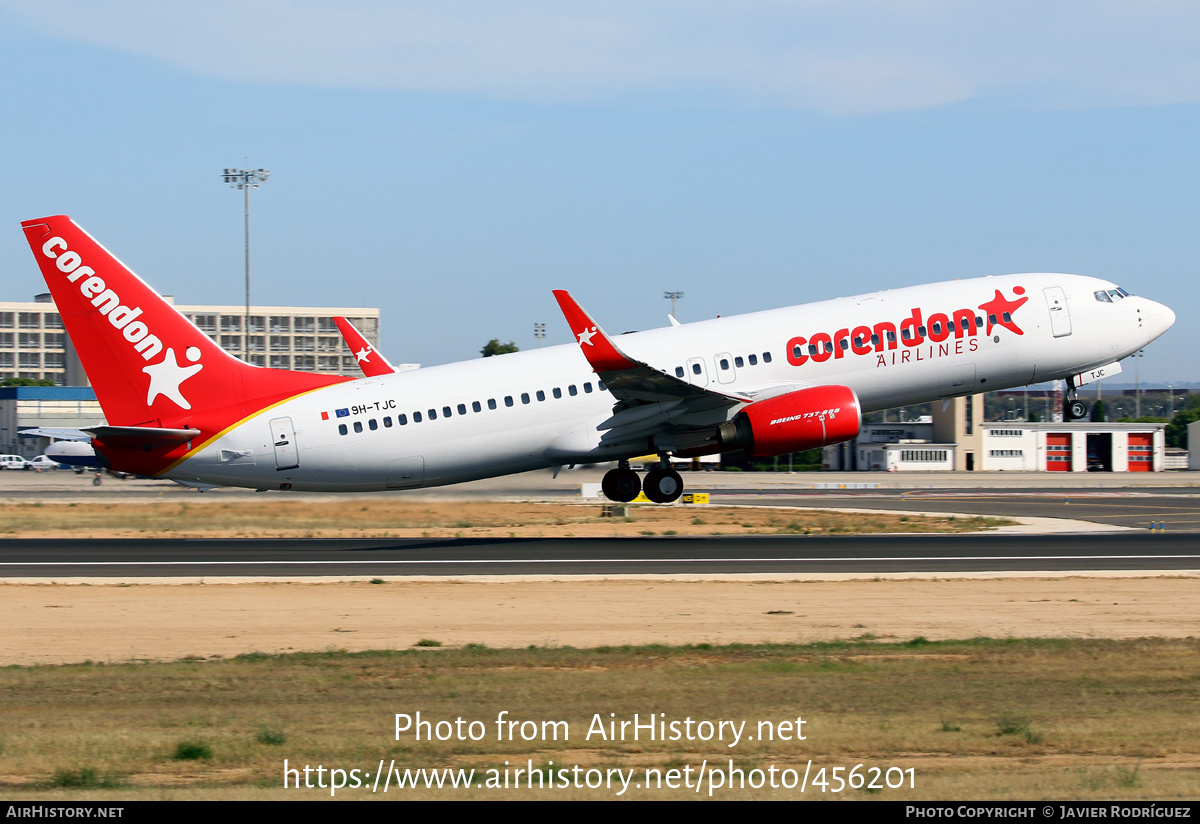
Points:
(1111, 295)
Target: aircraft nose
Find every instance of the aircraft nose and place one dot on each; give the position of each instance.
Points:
(1158, 318)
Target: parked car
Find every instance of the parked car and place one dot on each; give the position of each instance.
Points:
(14, 462)
(43, 462)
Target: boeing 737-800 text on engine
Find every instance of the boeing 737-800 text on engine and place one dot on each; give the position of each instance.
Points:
(768, 383)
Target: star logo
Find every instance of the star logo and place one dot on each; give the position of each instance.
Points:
(364, 354)
(167, 375)
(1000, 310)
(586, 336)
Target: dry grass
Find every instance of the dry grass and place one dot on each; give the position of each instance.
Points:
(982, 719)
(391, 518)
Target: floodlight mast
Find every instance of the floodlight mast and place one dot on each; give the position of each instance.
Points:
(673, 297)
(246, 179)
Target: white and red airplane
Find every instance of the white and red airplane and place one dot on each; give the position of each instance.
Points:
(768, 383)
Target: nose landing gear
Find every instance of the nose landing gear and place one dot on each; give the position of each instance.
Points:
(662, 485)
(1073, 408)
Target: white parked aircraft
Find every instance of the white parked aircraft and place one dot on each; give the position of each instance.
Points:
(768, 383)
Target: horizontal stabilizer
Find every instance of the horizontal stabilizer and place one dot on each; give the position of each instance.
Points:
(59, 434)
(142, 437)
(128, 437)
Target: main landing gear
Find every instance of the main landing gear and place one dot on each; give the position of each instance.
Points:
(1073, 408)
(662, 485)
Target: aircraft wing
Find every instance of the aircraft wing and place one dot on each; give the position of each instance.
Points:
(631, 381)
(370, 360)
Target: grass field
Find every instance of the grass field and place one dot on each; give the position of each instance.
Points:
(389, 517)
(977, 719)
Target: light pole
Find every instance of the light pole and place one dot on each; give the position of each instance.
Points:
(539, 332)
(246, 179)
(673, 296)
(1137, 372)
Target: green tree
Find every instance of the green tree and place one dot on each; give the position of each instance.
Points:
(1176, 431)
(27, 382)
(495, 347)
(1098, 412)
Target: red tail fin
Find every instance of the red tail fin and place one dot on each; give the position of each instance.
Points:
(148, 364)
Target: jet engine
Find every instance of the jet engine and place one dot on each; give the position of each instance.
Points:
(804, 419)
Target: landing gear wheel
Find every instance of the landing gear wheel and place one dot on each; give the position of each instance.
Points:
(621, 485)
(1077, 410)
(663, 486)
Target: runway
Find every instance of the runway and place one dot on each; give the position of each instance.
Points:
(1177, 509)
(799, 555)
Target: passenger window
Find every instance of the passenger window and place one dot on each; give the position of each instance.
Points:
(491, 403)
(812, 349)
(797, 351)
(600, 384)
(373, 424)
(587, 388)
(557, 392)
(387, 422)
(845, 344)
(446, 412)
(462, 408)
(476, 406)
(416, 417)
(738, 362)
(358, 426)
(432, 414)
(541, 396)
(992, 319)
(572, 391)
(342, 430)
(695, 369)
(754, 360)
(402, 420)
(725, 364)
(679, 371)
(767, 356)
(874, 340)
(508, 401)
(524, 397)
(1007, 317)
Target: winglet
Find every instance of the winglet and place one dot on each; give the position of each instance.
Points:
(370, 360)
(597, 347)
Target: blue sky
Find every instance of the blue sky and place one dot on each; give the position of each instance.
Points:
(452, 162)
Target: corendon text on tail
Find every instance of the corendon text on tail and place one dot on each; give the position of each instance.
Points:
(772, 382)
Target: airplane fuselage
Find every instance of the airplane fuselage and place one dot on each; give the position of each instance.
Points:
(546, 407)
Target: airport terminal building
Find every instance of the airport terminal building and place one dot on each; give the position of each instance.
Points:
(34, 345)
(958, 439)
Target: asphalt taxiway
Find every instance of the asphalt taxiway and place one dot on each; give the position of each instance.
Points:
(775, 554)
(1142, 528)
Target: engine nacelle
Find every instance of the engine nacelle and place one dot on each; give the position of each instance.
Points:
(799, 420)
